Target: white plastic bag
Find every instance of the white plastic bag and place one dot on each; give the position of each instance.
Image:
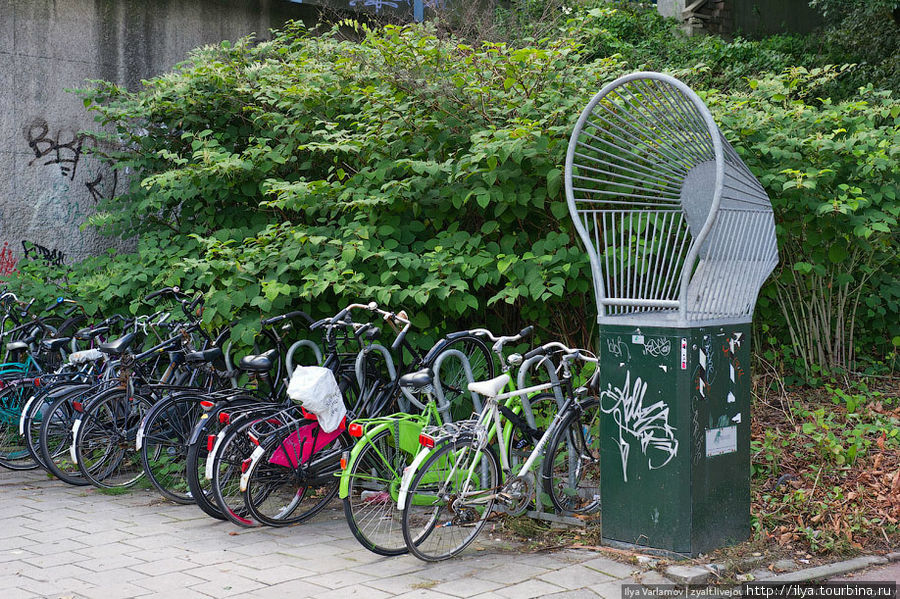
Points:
(87, 355)
(317, 391)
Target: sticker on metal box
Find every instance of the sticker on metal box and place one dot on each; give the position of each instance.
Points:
(721, 440)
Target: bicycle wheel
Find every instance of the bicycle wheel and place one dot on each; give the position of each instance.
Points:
(233, 449)
(199, 486)
(295, 478)
(446, 508)
(164, 436)
(37, 410)
(453, 378)
(571, 468)
(105, 440)
(13, 451)
(371, 502)
(30, 422)
(56, 439)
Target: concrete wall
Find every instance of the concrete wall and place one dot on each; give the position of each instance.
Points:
(48, 185)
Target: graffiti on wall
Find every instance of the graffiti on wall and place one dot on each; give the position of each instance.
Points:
(62, 148)
(8, 261)
(648, 425)
(36, 251)
(66, 186)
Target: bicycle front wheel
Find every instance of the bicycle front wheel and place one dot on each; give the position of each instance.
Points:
(571, 468)
(371, 502)
(449, 500)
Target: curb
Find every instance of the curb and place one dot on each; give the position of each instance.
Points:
(829, 570)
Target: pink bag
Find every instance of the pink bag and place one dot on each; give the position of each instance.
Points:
(300, 443)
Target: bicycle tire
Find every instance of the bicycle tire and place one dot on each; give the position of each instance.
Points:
(56, 439)
(370, 505)
(234, 448)
(198, 486)
(571, 468)
(37, 410)
(275, 493)
(105, 440)
(164, 435)
(433, 514)
(14, 454)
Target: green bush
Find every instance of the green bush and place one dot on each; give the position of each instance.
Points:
(425, 173)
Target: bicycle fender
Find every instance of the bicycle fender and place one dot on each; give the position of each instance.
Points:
(408, 474)
(75, 426)
(211, 458)
(24, 414)
(254, 460)
(344, 488)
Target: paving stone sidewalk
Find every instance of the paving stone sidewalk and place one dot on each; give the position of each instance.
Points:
(61, 541)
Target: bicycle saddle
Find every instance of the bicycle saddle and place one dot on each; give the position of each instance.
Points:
(417, 380)
(115, 348)
(212, 355)
(491, 387)
(55, 344)
(258, 363)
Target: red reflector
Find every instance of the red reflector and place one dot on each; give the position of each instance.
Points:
(355, 429)
(224, 417)
(205, 404)
(37, 382)
(245, 464)
(77, 405)
(426, 441)
(210, 442)
(253, 438)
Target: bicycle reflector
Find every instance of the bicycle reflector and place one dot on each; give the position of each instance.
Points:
(344, 457)
(210, 442)
(253, 439)
(224, 418)
(426, 441)
(355, 429)
(77, 406)
(206, 404)
(246, 464)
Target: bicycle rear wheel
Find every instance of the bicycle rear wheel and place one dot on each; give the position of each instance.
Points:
(295, 478)
(105, 440)
(371, 502)
(571, 468)
(13, 450)
(233, 449)
(445, 507)
(163, 439)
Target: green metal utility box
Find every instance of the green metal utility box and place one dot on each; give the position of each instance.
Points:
(680, 237)
(675, 443)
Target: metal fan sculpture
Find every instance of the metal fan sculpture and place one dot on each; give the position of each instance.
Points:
(677, 228)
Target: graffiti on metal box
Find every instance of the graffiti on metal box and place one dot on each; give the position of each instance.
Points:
(649, 425)
(618, 348)
(657, 346)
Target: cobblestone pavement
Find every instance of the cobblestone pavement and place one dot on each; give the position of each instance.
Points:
(61, 541)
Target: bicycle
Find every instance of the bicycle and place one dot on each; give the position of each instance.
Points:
(446, 499)
(282, 461)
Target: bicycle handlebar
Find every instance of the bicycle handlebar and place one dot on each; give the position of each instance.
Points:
(288, 316)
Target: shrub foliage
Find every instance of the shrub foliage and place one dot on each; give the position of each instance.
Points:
(420, 171)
